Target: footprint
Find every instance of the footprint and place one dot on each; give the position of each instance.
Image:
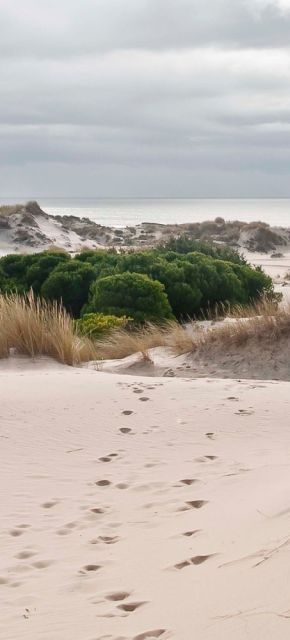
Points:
(197, 504)
(105, 459)
(211, 457)
(182, 565)
(41, 564)
(144, 399)
(63, 532)
(16, 532)
(129, 607)
(122, 485)
(109, 539)
(3, 580)
(98, 510)
(49, 505)
(210, 435)
(71, 525)
(103, 483)
(188, 481)
(23, 555)
(244, 412)
(88, 568)
(127, 412)
(156, 633)
(196, 560)
(189, 534)
(118, 596)
(125, 430)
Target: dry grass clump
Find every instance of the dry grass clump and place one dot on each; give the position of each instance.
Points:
(261, 321)
(264, 322)
(122, 343)
(10, 209)
(35, 327)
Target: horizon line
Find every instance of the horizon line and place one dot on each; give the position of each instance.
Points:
(39, 197)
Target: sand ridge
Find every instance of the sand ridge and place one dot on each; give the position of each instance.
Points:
(137, 508)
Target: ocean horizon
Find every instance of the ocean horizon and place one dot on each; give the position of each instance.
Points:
(122, 212)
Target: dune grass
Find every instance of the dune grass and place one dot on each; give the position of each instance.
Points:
(10, 209)
(261, 321)
(35, 327)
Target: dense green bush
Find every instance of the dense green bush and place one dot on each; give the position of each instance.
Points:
(132, 295)
(190, 276)
(69, 282)
(183, 244)
(97, 325)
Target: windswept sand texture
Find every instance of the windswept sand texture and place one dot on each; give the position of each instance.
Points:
(136, 508)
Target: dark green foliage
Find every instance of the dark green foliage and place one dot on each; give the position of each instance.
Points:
(183, 244)
(69, 282)
(132, 295)
(178, 278)
(189, 275)
(40, 270)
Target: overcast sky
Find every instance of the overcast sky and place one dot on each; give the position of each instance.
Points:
(144, 98)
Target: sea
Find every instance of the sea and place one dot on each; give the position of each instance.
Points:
(122, 212)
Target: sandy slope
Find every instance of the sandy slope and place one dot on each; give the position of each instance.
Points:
(170, 522)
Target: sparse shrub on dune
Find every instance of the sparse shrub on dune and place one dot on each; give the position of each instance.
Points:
(97, 325)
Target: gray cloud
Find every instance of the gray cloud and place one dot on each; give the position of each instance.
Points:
(144, 97)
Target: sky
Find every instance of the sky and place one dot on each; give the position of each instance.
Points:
(144, 98)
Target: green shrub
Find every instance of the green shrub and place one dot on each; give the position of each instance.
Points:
(194, 277)
(132, 295)
(183, 244)
(96, 325)
(69, 283)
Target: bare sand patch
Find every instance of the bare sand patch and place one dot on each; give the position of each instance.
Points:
(196, 546)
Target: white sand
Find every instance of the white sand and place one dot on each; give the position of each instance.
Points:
(62, 564)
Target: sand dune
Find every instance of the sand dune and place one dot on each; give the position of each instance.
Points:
(134, 508)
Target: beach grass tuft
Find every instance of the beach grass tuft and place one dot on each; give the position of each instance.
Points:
(34, 327)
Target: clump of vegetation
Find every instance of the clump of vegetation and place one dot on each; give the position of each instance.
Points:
(10, 209)
(98, 325)
(182, 279)
(185, 244)
(131, 294)
(35, 327)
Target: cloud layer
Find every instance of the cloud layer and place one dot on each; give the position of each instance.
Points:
(144, 97)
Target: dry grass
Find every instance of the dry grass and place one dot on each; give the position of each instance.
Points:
(262, 321)
(10, 209)
(34, 327)
(122, 343)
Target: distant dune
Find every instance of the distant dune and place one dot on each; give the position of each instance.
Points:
(26, 227)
